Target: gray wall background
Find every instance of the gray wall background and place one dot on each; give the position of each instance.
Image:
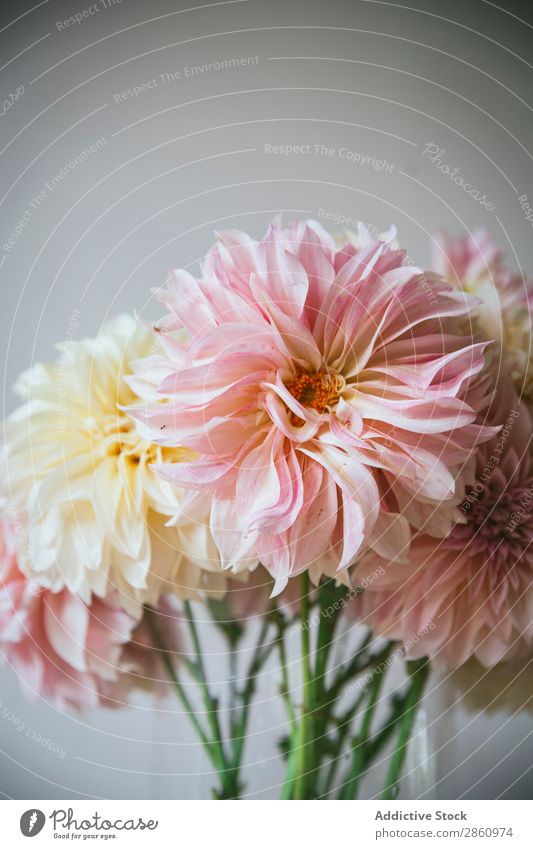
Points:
(188, 155)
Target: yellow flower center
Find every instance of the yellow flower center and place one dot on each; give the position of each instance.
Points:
(319, 391)
(115, 435)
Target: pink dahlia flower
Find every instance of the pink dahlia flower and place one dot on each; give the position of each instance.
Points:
(60, 648)
(314, 382)
(469, 595)
(474, 264)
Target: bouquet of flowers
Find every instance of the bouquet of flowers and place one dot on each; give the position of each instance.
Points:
(316, 431)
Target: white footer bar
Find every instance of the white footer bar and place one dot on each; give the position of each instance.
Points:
(293, 825)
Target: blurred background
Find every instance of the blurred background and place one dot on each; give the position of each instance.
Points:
(129, 132)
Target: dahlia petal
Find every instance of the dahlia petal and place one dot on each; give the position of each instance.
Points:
(293, 339)
(202, 384)
(186, 301)
(449, 371)
(258, 484)
(412, 310)
(312, 251)
(391, 537)
(451, 448)
(490, 651)
(277, 411)
(306, 414)
(134, 568)
(284, 513)
(64, 483)
(342, 436)
(312, 532)
(106, 494)
(351, 476)
(353, 535)
(434, 519)
(197, 473)
(446, 414)
(360, 266)
(463, 259)
(238, 337)
(236, 250)
(66, 621)
(148, 374)
(31, 671)
(192, 508)
(88, 535)
(420, 471)
(220, 435)
(233, 543)
(351, 337)
(282, 274)
(300, 234)
(273, 552)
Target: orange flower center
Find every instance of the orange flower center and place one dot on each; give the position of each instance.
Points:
(319, 391)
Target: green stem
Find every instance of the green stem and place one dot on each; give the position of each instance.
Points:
(210, 703)
(361, 662)
(330, 607)
(233, 721)
(312, 741)
(305, 730)
(360, 742)
(375, 745)
(290, 777)
(418, 672)
(344, 725)
(259, 658)
(285, 690)
(379, 740)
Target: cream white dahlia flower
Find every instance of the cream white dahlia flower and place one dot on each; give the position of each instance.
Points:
(79, 472)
